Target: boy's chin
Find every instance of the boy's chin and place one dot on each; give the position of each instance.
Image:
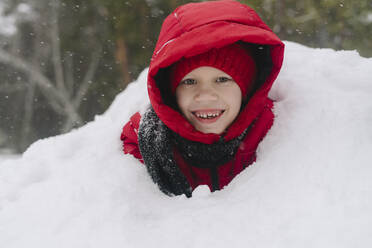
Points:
(208, 130)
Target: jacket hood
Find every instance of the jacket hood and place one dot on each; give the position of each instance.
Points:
(195, 28)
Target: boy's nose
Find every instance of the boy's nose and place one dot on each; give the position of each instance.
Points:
(205, 93)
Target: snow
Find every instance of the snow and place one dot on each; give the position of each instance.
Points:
(8, 26)
(310, 186)
(9, 21)
(4, 157)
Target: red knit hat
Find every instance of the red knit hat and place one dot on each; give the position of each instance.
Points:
(232, 59)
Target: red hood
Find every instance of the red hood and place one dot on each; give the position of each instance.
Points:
(196, 28)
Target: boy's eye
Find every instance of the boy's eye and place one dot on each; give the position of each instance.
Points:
(188, 81)
(223, 79)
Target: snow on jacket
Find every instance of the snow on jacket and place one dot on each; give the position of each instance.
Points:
(193, 29)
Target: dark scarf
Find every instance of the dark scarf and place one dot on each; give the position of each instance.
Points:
(156, 142)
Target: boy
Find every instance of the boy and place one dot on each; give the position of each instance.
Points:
(211, 71)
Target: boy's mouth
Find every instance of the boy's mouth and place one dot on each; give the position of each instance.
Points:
(208, 115)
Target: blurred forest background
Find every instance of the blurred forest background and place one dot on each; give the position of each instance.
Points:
(63, 61)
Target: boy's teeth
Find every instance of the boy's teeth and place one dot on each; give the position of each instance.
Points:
(208, 115)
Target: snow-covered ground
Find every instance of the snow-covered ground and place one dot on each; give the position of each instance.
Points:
(4, 157)
(310, 187)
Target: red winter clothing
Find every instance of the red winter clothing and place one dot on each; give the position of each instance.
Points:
(235, 60)
(193, 29)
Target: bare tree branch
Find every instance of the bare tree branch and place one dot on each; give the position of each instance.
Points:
(8, 88)
(87, 78)
(69, 62)
(56, 46)
(29, 110)
(68, 125)
(51, 93)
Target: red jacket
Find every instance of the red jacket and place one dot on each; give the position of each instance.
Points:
(193, 29)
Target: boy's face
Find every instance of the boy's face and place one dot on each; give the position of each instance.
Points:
(209, 99)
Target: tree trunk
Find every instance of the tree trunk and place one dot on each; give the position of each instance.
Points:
(122, 58)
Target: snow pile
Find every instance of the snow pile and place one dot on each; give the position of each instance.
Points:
(9, 20)
(7, 156)
(310, 187)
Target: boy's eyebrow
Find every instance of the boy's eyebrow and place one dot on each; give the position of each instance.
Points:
(188, 76)
(224, 75)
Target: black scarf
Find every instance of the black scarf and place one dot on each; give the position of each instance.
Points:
(156, 142)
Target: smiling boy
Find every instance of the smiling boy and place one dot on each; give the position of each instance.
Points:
(210, 94)
(209, 99)
(208, 82)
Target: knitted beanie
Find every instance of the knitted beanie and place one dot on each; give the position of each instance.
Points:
(232, 59)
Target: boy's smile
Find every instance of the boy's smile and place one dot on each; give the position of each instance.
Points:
(208, 113)
(207, 116)
(209, 99)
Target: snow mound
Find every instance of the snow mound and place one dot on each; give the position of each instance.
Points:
(310, 187)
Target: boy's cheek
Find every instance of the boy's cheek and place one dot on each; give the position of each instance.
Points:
(182, 102)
